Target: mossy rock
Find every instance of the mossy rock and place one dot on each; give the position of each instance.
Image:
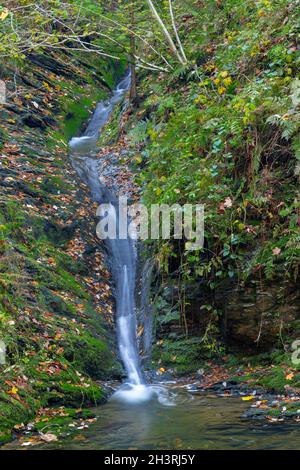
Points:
(91, 356)
(77, 395)
(55, 303)
(183, 356)
(11, 413)
(56, 234)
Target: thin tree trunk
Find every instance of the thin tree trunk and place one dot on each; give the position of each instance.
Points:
(176, 32)
(165, 31)
(113, 5)
(133, 90)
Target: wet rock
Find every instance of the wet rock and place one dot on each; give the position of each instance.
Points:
(200, 373)
(7, 173)
(254, 315)
(33, 121)
(27, 190)
(13, 108)
(59, 234)
(49, 63)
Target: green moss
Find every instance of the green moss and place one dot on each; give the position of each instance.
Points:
(274, 380)
(54, 184)
(183, 356)
(77, 107)
(46, 307)
(13, 412)
(78, 395)
(111, 132)
(91, 355)
(5, 436)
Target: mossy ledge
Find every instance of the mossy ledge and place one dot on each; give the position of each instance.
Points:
(55, 297)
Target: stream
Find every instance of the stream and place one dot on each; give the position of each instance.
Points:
(197, 422)
(122, 252)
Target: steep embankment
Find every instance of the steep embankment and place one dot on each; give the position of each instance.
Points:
(225, 132)
(55, 294)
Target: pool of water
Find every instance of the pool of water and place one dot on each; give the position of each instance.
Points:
(193, 422)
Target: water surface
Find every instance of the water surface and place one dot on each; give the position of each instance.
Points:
(196, 422)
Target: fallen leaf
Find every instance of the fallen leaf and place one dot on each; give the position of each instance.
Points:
(4, 14)
(228, 203)
(250, 397)
(289, 376)
(48, 437)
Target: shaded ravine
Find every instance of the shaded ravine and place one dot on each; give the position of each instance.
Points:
(122, 252)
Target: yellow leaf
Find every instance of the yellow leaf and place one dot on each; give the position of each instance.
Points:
(289, 376)
(224, 74)
(227, 81)
(250, 397)
(46, 85)
(4, 14)
(140, 331)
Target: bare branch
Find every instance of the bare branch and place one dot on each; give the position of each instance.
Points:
(176, 32)
(165, 31)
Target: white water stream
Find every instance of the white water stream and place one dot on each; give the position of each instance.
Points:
(122, 253)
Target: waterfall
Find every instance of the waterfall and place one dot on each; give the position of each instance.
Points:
(126, 320)
(122, 252)
(123, 261)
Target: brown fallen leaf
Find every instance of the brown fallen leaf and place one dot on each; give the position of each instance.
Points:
(48, 437)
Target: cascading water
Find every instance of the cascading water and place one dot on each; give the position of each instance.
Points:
(127, 329)
(122, 255)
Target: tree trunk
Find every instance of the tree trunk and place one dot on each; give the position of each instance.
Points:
(166, 32)
(133, 90)
(113, 5)
(176, 32)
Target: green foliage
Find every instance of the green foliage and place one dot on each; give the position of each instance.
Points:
(138, 134)
(184, 356)
(226, 134)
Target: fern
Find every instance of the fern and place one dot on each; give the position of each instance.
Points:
(138, 135)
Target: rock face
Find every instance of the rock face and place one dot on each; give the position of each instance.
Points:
(259, 316)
